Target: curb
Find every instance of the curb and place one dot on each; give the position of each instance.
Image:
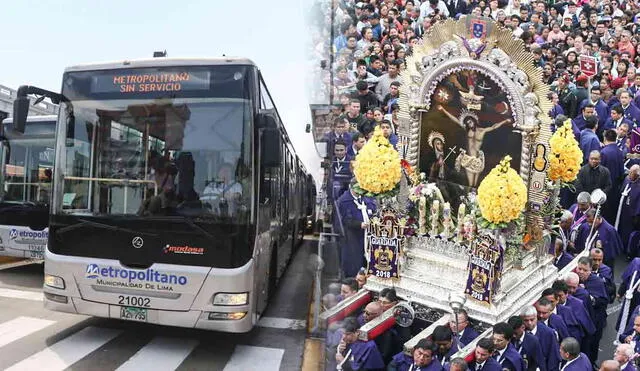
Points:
(313, 355)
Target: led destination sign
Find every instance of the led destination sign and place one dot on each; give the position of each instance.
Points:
(152, 81)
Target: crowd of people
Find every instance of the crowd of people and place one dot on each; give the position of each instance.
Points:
(370, 42)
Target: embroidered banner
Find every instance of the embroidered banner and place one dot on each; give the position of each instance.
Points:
(485, 267)
(384, 244)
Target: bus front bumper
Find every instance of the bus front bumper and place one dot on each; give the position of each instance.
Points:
(191, 318)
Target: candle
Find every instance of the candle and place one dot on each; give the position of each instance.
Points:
(461, 214)
(446, 214)
(422, 221)
(435, 214)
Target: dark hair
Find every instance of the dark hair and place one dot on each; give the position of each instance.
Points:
(618, 108)
(426, 344)
(515, 322)
(610, 135)
(339, 142)
(442, 333)
(544, 302)
(504, 329)
(390, 294)
(585, 260)
(560, 286)
(351, 282)
(350, 324)
(355, 137)
(487, 344)
(591, 122)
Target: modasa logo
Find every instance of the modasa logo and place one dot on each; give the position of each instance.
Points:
(134, 276)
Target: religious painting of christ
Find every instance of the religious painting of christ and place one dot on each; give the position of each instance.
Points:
(467, 131)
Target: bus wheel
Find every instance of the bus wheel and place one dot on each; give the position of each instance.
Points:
(273, 271)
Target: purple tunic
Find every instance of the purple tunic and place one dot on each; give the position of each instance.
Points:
(630, 209)
(606, 234)
(365, 355)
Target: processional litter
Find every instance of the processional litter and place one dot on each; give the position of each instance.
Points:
(465, 219)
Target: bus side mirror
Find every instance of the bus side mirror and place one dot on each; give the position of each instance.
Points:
(271, 144)
(20, 111)
(264, 120)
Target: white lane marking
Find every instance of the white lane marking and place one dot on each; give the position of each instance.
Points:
(20, 327)
(18, 294)
(160, 354)
(282, 323)
(65, 353)
(245, 358)
(614, 308)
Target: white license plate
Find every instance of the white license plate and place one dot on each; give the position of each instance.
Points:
(133, 314)
(39, 248)
(36, 254)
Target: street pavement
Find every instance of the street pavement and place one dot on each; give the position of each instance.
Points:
(610, 333)
(33, 338)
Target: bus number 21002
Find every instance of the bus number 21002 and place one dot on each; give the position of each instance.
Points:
(134, 301)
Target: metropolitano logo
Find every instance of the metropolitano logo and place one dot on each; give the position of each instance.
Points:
(13, 234)
(93, 271)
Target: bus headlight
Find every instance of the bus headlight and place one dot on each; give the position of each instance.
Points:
(54, 281)
(227, 298)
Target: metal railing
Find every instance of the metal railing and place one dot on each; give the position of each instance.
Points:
(126, 183)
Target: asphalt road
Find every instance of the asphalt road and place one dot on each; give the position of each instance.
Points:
(32, 337)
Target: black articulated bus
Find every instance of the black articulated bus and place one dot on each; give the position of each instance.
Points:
(178, 198)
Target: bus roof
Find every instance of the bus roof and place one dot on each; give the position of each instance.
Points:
(34, 118)
(160, 62)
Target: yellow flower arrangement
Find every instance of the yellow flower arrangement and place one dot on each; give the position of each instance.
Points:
(502, 195)
(566, 156)
(377, 166)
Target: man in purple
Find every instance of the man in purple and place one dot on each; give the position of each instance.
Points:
(624, 355)
(505, 353)
(597, 293)
(632, 337)
(338, 132)
(354, 354)
(421, 359)
(447, 345)
(589, 140)
(355, 212)
(578, 210)
(575, 306)
(340, 173)
(466, 333)
(483, 357)
(572, 358)
(612, 158)
(561, 257)
(527, 345)
(627, 276)
(544, 307)
(628, 217)
(604, 237)
(603, 272)
(573, 326)
(545, 335)
(564, 231)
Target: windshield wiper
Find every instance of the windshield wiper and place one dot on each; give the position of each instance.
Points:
(84, 222)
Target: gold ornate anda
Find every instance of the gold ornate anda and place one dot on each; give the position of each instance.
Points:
(491, 50)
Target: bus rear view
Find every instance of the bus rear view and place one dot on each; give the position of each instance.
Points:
(152, 217)
(25, 186)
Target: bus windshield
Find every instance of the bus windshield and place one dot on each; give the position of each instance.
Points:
(156, 158)
(27, 163)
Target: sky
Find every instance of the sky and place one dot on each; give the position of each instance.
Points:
(44, 37)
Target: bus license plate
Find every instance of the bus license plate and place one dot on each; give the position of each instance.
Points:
(133, 314)
(36, 254)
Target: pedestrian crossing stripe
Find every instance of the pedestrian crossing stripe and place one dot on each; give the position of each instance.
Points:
(20, 327)
(160, 353)
(68, 351)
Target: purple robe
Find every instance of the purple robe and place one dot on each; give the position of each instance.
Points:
(489, 365)
(340, 176)
(549, 345)
(563, 260)
(612, 159)
(573, 326)
(558, 325)
(531, 352)
(511, 360)
(581, 313)
(402, 362)
(582, 363)
(597, 290)
(468, 336)
(365, 356)
(633, 266)
(630, 209)
(606, 234)
(352, 252)
(629, 367)
(632, 315)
